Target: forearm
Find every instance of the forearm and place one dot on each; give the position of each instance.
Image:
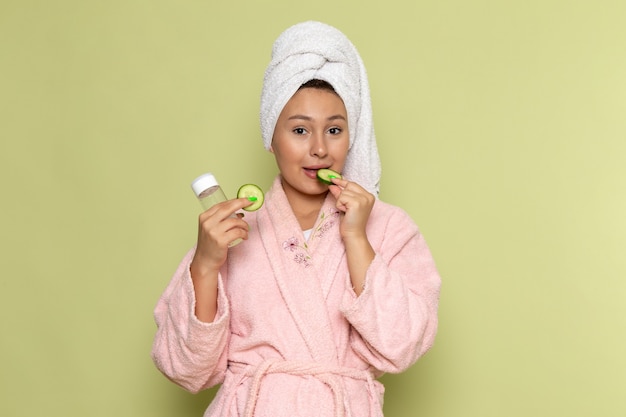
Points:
(395, 320)
(189, 351)
(205, 289)
(359, 254)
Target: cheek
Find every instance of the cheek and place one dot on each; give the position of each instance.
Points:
(340, 150)
(283, 155)
(290, 150)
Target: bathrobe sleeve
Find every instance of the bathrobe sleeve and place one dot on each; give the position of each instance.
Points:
(394, 320)
(189, 352)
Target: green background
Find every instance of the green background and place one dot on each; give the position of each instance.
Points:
(502, 131)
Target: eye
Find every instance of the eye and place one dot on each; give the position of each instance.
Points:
(335, 130)
(299, 131)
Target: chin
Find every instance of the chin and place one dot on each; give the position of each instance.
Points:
(314, 190)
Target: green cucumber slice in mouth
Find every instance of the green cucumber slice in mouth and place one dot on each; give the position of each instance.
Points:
(253, 193)
(325, 175)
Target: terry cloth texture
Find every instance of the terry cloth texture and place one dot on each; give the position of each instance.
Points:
(291, 337)
(314, 50)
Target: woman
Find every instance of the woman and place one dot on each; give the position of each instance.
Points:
(331, 287)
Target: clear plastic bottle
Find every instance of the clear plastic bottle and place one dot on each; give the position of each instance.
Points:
(209, 193)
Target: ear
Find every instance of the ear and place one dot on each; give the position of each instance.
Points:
(272, 148)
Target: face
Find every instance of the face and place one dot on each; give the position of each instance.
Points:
(311, 133)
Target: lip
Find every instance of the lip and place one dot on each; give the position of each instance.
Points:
(311, 171)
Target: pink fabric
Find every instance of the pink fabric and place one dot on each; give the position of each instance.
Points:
(291, 337)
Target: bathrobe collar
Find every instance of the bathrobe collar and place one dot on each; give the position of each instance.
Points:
(304, 271)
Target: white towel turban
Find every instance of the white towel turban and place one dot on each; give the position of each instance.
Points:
(314, 50)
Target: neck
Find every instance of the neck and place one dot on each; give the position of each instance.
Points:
(305, 207)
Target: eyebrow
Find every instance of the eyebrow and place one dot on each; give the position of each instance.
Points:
(303, 117)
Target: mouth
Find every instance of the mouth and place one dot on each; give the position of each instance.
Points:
(311, 171)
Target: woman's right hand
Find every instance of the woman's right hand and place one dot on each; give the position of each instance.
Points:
(217, 228)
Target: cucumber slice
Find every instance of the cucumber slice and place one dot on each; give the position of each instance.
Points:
(253, 193)
(325, 175)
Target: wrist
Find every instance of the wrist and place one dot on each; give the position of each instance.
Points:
(358, 244)
(202, 270)
(355, 237)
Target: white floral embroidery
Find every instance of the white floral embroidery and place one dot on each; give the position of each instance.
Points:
(301, 255)
(291, 244)
(326, 222)
(301, 252)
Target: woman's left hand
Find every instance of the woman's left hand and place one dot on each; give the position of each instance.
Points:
(356, 204)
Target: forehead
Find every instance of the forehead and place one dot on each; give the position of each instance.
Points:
(315, 101)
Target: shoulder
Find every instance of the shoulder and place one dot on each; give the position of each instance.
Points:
(383, 210)
(389, 220)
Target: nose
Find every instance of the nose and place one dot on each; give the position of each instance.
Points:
(318, 146)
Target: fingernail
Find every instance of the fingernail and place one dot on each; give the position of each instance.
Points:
(252, 198)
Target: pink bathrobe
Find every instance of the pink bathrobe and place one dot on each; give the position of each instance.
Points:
(291, 338)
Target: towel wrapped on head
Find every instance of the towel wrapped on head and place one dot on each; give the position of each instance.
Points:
(314, 50)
